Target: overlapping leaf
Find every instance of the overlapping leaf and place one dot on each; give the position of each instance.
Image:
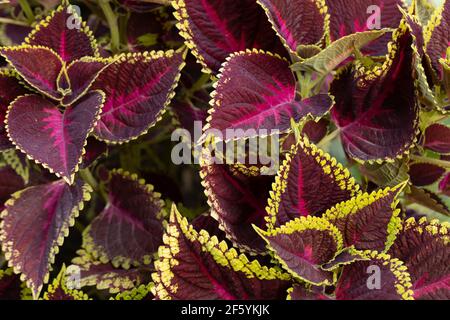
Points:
(214, 29)
(129, 230)
(55, 139)
(303, 245)
(359, 280)
(34, 225)
(194, 265)
(362, 15)
(424, 174)
(10, 89)
(424, 248)
(437, 36)
(297, 22)
(138, 87)
(237, 201)
(257, 91)
(64, 33)
(368, 221)
(377, 110)
(437, 138)
(308, 183)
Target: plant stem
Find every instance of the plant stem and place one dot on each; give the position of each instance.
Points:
(27, 10)
(12, 21)
(112, 23)
(325, 141)
(437, 162)
(87, 176)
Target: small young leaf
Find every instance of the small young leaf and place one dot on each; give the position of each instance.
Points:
(437, 138)
(425, 174)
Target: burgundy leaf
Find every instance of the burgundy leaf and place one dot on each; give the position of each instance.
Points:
(437, 138)
(39, 66)
(424, 174)
(357, 278)
(195, 266)
(368, 221)
(130, 228)
(424, 248)
(428, 199)
(297, 22)
(304, 244)
(437, 36)
(34, 225)
(16, 34)
(39, 129)
(11, 288)
(94, 150)
(79, 77)
(347, 18)
(214, 29)
(237, 201)
(59, 31)
(316, 131)
(377, 110)
(308, 183)
(257, 90)
(10, 89)
(138, 87)
(444, 185)
(10, 182)
(59, 289)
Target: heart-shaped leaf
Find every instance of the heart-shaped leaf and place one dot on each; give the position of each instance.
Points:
(39, 67)
(256, 91)
(138, 88)
(424, 248)
(129, 230)
(379, 277)
(302, 245)
(10, 89)
(377, 110)
(59, 290)
(64, 32)
(34, 225)
(297, 22)
(195, 266)
(437, 36)
(363, 15)
(215, 29)
(309, 183)
(368, 221)
(51, 137)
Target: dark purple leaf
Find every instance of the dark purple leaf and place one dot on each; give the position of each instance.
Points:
(424, 174)
(297, 22)
(214, 29)
(11, 288)
(138, 87)
(59, 32)
(424, 248)
(34, 225)
(377, 110)
(257, 90)
(39, 66)
(309, 183)
(368, 221)
(437, 138)
(304, 244)
(195, 266)
(10, 182)
(54, 139)
(130, 228)
(358, 280)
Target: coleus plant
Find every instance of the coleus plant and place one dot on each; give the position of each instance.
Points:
(85, 127)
